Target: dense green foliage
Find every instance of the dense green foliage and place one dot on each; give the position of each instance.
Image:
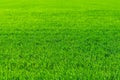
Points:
(56, 41)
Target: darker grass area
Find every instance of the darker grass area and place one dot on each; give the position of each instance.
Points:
(62, 54)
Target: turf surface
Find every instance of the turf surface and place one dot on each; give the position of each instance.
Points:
(56, 43)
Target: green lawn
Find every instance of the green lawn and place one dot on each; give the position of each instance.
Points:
(57, 41)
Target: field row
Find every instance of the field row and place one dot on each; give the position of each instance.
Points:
(60, 55)
(59, 19)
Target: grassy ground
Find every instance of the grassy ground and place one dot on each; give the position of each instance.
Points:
(59, 43)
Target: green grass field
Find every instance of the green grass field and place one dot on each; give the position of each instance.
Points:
(59, 40)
